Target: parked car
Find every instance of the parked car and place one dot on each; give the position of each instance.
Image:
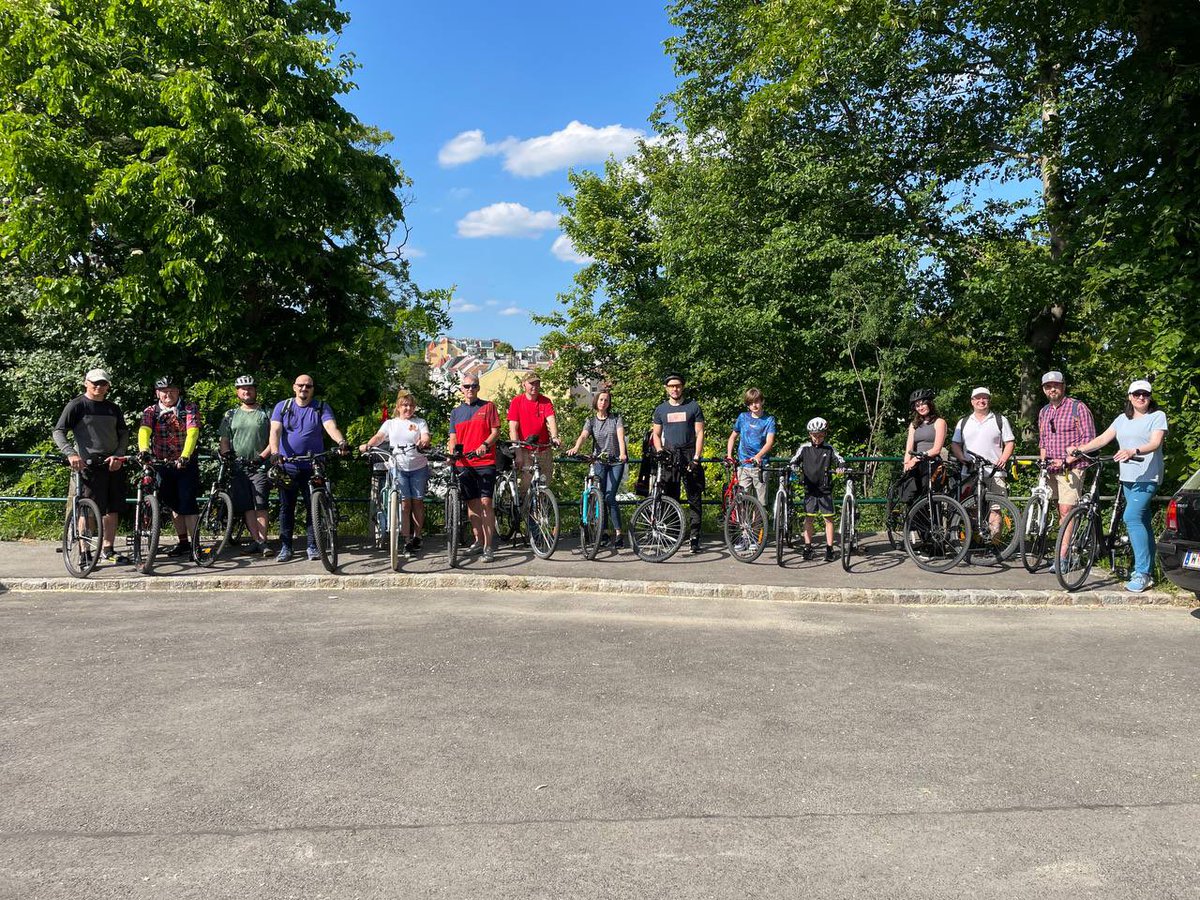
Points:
(1179, 545)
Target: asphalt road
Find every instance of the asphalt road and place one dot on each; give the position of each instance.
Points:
(367, 744)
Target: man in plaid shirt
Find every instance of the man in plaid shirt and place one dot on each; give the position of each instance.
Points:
(169, 432)
(1063, 422)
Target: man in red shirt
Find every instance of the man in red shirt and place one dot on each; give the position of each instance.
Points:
(531, 418)
(476, 425)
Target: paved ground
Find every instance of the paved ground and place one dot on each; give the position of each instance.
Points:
(374, 744)
(877, 567)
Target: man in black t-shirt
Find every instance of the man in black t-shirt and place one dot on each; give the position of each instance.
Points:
(100, 433)
(678, 426)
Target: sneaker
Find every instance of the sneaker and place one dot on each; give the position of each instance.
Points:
(183, 548)
(828, 554)
(109, 555)
(808, 551)
(416, 544)
(619, 543)
(313, 554)
(473, 549)
(266, 548)
(695, 546)
(489, 554)
(604, 539)
(1139, 583)
(255, 548)
(285, 553)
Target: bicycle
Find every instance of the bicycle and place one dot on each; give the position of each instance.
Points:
(147, 516)
(1081, 539)
(782, 510)
(743, 519)
(214, 525)
(592, 507)
(385, 506)
(322, 507)
(657, 527)
(937, 530)
(538, 509)
(848, 526)
(455, 505)
(1034, 532)
(83, 527)
(999, 540)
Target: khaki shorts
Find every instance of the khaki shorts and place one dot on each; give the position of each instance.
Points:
(1067, 487)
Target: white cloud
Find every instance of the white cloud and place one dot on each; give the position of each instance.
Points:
(410, 252)
(506, 220)
(462, 306)
(513, 311)
(491, 302)
(576, 143)
(563, 249)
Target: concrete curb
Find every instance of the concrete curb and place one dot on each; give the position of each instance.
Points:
(546, 584)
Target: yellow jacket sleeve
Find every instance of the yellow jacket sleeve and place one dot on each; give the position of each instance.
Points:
(190, 441)
(144, 438)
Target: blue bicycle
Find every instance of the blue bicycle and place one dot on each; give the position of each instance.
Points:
(591, 505)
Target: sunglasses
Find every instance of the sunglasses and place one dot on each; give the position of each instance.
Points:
(1140, 394)
(470, 387)
(304, 387)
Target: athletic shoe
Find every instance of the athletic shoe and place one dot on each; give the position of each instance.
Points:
(314, 554)
(109, 555)
(1138, 583)
(473, 549)
(489, 554)
(604, 539)
(808, 551)
(266, 549)
(415, 544)
(828, 554)
(619, 543)
(183, 548)
(695, 547)
(255, 548)
(285, 553)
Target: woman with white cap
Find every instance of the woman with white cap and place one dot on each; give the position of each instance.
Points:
(1139, 432)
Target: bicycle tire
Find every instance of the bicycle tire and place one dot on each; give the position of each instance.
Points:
(657, 528)
(506, 506)
(745, 528)
(846, 533)
(213, 529)
(541, 522)
(394, 530)
(325, 529)
(1032, 538)
(1076, 548)
(1009, 537)
(943, 533)
(591, 522)
(1120, 550)
(147, 528)
(453, 525)
(782, 527)
(81, 545)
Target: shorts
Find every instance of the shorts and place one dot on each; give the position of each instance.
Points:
(1067, 487)
(108, 489)
(250, 492)
(477, 482)
(412, 485)
(179, 488)
(818, 505)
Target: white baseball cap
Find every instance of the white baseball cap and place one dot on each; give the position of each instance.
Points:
(1053, 378)
(980, 392)
(1141, 385)
(95, 375)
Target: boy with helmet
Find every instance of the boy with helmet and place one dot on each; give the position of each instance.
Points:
(169, 433)
(755, 433)
(817, 462)
(245, 432)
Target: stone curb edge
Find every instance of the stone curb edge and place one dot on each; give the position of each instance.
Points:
(876, 596)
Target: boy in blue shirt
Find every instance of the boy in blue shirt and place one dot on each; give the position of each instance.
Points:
(755, 433)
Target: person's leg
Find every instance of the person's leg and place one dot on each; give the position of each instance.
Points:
(287, 514)
(417, 511)
(475, 517)
(304, 492)
(611, 477)
(487, 522)
(694, 482)
(1066, 487)
(418, 483)
(1137, 522)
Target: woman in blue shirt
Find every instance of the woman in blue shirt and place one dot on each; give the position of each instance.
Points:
(1139, 431)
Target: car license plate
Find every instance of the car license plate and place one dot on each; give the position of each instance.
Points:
(1191, 559)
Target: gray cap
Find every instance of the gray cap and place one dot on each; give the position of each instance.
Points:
(95, 375)
(1053, 377)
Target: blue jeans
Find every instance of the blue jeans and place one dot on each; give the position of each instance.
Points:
(1138, 495)
(287, 508)
(611, 476)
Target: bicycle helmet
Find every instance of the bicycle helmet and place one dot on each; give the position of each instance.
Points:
(817, 424)
(923, 394)
(244, 381)
(165, 382)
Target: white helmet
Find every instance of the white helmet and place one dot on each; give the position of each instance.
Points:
(244, 381)
(818, 424)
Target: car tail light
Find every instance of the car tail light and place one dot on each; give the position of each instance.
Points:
(1172, 516)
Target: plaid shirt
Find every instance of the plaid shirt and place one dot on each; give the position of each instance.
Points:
(168, 429)
(1070, 425)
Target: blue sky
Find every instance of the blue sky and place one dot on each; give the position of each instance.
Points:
(490, 105)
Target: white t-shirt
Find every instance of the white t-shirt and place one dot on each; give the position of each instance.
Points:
(402, 433)
(1134, 433)
(986, 438)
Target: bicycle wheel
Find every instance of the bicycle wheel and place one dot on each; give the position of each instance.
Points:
(507, 509)
(453, 525)
(81, 538)
(657, 528)
(937, 533)
(591, 521)
(1003, 541)
(541, 522)
(212, 530)
(394, 530)
(782, 536)
(1076, 548)
(377, 509)
(745, 525)
(893, 519)
(846, 534)
(1032, 536)
(325, 528)
(146, 527)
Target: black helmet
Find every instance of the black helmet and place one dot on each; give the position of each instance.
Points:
(923, 394)
(165, 382)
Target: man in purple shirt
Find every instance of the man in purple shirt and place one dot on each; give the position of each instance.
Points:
(299, 426)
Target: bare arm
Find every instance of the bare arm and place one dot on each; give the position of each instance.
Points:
(656, 437)
(699, 441)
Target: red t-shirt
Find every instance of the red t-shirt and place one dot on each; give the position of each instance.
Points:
(531, 416)
(471, 423)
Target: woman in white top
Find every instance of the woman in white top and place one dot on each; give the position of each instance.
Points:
(1139, 432)
(407, 435)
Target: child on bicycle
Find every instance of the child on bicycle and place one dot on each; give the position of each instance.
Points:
(754, 432)
(817, 462)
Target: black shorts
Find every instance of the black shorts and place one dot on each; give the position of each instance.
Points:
(476, 483)
(108, 489)
(179, 488)
(249, 491)
(818, 504)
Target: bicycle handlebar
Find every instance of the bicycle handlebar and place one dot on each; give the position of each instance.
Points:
(1094, 456)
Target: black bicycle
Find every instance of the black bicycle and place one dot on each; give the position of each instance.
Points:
(323, 511)
(147, 515)
(83, 527)
(1081, 538)
(455, 505)
(657, 526)
(214, 524)
(993, 517)
(937, 530)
